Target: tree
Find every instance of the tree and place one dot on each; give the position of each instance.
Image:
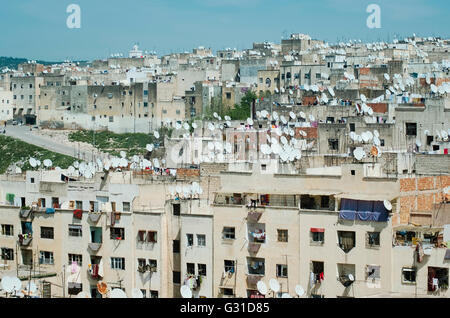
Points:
(243, 111)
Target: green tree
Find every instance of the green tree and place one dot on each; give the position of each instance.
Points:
(243, 110)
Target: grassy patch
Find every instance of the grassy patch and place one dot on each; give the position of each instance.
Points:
(106, 141)
(16, 151)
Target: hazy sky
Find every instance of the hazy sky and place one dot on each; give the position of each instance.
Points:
(36, 29)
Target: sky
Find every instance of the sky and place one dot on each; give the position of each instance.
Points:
(36, 29)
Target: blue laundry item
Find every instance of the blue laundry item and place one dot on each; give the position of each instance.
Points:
(49, 210)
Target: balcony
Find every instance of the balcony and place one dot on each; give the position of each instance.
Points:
(94, 217)
(25, 239)
(25, 212)
(95, 246)
(254, 247)
(253, 216)
(253, 279)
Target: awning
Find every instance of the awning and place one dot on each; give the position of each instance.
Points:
(317, 230)
(367, 196)
(413, 228)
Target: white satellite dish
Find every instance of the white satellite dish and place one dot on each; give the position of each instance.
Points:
(292, 115)
(177, 126)
(227, 118)
(156, 134)
(48, 163)
(299, 290)
(185, 291)
(18, 170)
(275, 115)
(83, 294)
(303, 115)
(76, 164)
(136, 293)
(283, 119)
(387, 205)
(33, 162)
(117, 293)
(352, 135)
(194, 125)
(149, 147)
(350, 276)
(376, 141)
(311, 117)
(186, 126)
(17, 284)
(376, 133)
(31, 287)
(418, 143)
(444, 134)
(286, 295)
(274, 285)
(386, 76)
(123, 154)
(7, 284)
(262, 288)
(250, 121)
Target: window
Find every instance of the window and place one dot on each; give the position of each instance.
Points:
(153, 294)
(153, 263)
(346, 240)
(176, 209)
(142, 236)
(282, 270)
(75, 258)
(201, 269)
(46, 258)
(117, 262)
(260, 80)
(437, 278)
(282, 235)
(228, 95)
(318, 76)
(228, 233)
(352, 127)
(152, 237)
(31, 180)
(47, 232)
(227, 291)
(176, 277)
(7, 229)
(7, 254)
(126, 206)
(190, 268)
(373, 239)
(176, 246)
(75, 230)
(408, 275)
(324, 201)
(79, 205)
(333, 144)
(141, 264)
(373, 272)
(255, 266)
(190, 239)
(411, 129)
(111, 119)
(117, 233)
(352, 172)
(317, 235)
(429, 140)
(229, 266)
(144, 293)
(201, 240)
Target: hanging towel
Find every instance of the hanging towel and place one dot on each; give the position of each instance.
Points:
(100, 268)
(312, 278)
(49, 210)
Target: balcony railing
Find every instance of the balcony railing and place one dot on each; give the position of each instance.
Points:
(25, 239)
(95, 246)
(254, 247)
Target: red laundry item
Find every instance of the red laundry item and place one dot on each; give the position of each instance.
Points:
(95, 270)
(78, 214)
(321, 276)
(445, 151)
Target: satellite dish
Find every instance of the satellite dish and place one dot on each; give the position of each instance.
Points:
(136, 293)
(350, 276)
(102, 288)
(292, 115)
(186, 126)
(274, 285)
(303, 115)
(376, 133)
(83, 294)
(386, 76)
(33, 162)
(194, 125)
(17, 284)
(418, 143)
(48, 163)
(150, 147)
(286, 295)
(117, 293)
(275, 115)
(387, 205)
(299, 290)
(250, 121)
(283, 119)
(262, 288)
(311, 117)
(18, 170)
(7, 284)
(123, 154)
(156, 134)
(185, 291)
(76, 164)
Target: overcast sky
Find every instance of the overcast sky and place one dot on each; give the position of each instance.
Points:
(36, 29)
